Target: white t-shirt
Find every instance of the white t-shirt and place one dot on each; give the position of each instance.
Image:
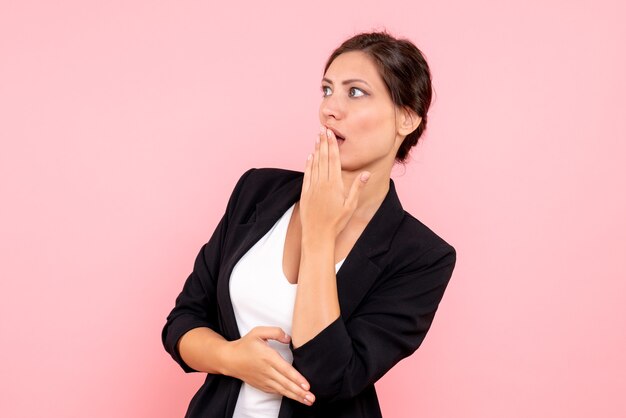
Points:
(262, 296)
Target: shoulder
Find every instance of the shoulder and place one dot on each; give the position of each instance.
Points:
(270, 177)
(260, 181)
(416, 246)
(255, 185)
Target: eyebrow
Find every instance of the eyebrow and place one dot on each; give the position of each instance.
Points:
(352, 80)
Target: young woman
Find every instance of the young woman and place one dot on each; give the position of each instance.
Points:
(315, 284)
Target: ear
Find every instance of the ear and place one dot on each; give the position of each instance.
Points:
(407, 121)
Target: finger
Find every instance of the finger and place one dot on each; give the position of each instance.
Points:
(324, 155)
(334, 161)
(315, 162)
(287, 370)
(358, 183)
(276, 360)
(288, 378)
(275, 385)
(293, 386)
(292, 390)
(271, 333)
(306, 181)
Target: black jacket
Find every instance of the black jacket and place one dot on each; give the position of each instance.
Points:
(389, 288)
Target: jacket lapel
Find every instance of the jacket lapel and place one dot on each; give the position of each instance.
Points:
(243, 237)
(357, 273)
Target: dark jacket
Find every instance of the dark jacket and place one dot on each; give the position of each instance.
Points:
(389, 288)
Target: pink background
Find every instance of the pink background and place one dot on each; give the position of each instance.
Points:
(125, 124)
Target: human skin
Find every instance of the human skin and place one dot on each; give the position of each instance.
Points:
(335, 205)
(345, 181)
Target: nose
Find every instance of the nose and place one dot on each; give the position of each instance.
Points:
(331, 107)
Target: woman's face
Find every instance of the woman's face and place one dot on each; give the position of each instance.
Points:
(358, 108)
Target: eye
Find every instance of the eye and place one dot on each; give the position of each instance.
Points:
(326, 91)
(356, 92)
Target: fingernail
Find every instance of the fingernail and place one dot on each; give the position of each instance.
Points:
(365, 176)
(322, 130)
(309, 398)
(304, 386)
(328, 132)
(308, 157)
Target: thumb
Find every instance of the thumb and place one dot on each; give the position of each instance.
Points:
(359, 182)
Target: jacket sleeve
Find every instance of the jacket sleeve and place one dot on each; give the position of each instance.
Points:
(389, 325)
(196, 305)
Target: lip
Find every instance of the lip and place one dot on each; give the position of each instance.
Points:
(338, 134)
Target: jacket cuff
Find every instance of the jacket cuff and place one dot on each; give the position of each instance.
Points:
(175, 331)
(323, 359)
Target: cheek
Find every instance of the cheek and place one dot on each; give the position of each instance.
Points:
(377, 122)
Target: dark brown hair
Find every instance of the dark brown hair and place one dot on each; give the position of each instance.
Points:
(405, 72)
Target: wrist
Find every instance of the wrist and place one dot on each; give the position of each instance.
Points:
(224, 356)
(318, 236)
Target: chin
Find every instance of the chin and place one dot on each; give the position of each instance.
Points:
(349, 166)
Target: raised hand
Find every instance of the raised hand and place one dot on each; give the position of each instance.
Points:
(252, 360)
(324, 206)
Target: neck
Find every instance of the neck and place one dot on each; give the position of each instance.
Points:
(372, 195)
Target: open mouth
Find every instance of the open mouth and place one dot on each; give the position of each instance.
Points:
(340, 138)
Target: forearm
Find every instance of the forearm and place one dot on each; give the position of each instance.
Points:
(317, 304)
(204, 350)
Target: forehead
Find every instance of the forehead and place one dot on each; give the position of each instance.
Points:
(354, 65)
